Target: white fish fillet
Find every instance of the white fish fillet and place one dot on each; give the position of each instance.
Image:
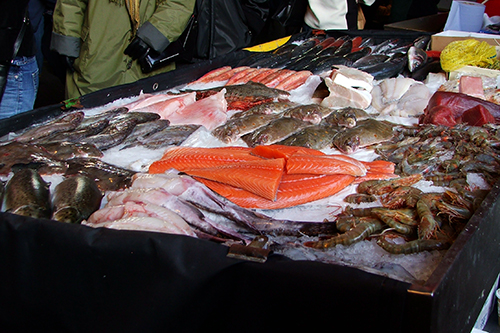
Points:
(352, 78)
(209, 112)
(341, 97)
(171, 182)
(144, 223)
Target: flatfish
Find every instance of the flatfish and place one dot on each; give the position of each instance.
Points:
(105, 115)
(275, 131)
(75, 199)
(79, 133)
(266, 108)
(233, 129)
(312, 113)
(345, 117)
(365, 133)
(316, 137)
(64, 123)
(27, 194)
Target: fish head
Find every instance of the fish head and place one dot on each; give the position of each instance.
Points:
(348, 145)
(67, 215)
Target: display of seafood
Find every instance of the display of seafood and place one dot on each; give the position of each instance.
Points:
(342, 125)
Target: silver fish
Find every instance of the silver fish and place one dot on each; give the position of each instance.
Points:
(275, 131)
(75, 199)
(365, 133)
(65, 123)
(416, 58)
(27, 194)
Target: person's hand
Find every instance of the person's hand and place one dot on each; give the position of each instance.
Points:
(69, 61)
(137, 49)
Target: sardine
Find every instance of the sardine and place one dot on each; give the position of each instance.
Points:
(275, 131)
(312, 113)
(233, 129)
(365, 133)
(112, 135)
(107, 176)
(65, 123)
(27, 194)
(75, 199)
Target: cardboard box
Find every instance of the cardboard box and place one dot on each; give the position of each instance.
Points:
(440, 40)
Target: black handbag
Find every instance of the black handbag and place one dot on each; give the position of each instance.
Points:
(182, 49)
(4, 68)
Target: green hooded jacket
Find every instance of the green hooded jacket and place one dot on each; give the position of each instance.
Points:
(96, 33)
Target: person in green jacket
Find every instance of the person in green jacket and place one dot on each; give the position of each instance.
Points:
(101, 40)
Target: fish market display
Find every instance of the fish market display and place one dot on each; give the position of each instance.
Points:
(325, 145)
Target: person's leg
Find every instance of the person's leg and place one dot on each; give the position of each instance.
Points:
(21, 88)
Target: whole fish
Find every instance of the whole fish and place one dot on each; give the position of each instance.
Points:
(16, 153)
(2, 191)
(275, 131)
(27, 194)
(370, 60)
(170, 136)
(145, 129)
(104, 115)
(344, 49)
(79, 133)
(254, 222)
(354, 56)
(346, 117)
(422, 42)
(65, 123)
(75, 199)
(326, 63)
(300, 63)
(266, 108)
(390, 68)
(67, 150)
(316, 137)
(139, 117)
(233, 129)
(312, 113)
(365, 133)
(108, 177)
(416, 58)
(113, 135)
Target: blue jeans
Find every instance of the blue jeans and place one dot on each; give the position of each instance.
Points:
(21, 87)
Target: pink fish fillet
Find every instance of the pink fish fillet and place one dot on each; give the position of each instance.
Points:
(145, 100)
(209, 112)
(169, 106)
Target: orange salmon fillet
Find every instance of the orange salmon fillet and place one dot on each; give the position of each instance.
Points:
(283, 151)
(324, 164)
(380, 166)
(181, 158)
(261, 177)
(209, 77)
(293, 190)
